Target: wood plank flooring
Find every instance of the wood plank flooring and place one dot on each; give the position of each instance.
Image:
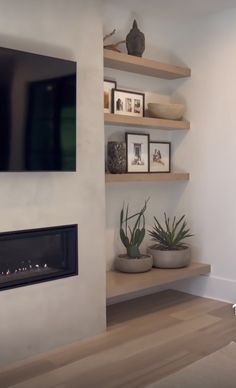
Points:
(147, 339)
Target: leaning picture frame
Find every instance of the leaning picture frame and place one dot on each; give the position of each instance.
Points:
(128, 103)
(108, 86)
(159, 157)
(137, 152)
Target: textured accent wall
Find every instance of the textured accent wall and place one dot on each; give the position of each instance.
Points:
(41, 317)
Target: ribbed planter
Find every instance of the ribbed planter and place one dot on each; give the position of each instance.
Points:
(124, 263)
(170, 259)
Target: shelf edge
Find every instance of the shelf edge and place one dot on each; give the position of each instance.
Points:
(144, 66)
(145, 122)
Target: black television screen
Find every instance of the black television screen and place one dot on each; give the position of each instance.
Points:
(37, 112)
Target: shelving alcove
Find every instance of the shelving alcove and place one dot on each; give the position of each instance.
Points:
(149, 67)
(122, 285)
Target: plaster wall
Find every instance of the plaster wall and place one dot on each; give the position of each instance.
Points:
(41, 317)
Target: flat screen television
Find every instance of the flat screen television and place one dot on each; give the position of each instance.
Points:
(37, 112)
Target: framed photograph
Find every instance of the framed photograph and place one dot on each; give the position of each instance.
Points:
(107, 90)
(137, 152)
(160, 156)
(128, 103)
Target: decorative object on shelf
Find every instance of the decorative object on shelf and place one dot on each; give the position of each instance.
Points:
(116, 157)
(170, 251)
(160, 156)
(108, 86)
(137, 152)
(135, 41)
(166, 111)
(129, 103)
(132, 236)
(113, 46)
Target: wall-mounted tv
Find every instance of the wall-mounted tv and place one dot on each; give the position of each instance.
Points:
(37, 112)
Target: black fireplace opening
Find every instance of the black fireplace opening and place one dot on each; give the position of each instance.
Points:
(38, 255)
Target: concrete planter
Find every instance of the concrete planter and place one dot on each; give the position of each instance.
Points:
(170, 259)
(124, 263)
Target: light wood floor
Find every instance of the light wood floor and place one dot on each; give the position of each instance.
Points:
(147, 339)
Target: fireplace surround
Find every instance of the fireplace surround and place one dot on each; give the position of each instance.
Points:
(38, 255)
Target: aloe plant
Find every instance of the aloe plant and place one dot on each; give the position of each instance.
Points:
(171, 236)
(132, 236)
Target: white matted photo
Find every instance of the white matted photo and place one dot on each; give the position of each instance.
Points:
(160, 155)
(107, 92)
(137, 152)
(128, 103)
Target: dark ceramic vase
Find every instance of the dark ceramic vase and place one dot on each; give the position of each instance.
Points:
(116, 157)
(135, 41)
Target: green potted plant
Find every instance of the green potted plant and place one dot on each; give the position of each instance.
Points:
(170, 249)
(132, 232)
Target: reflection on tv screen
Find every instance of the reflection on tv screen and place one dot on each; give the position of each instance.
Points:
(37, 112)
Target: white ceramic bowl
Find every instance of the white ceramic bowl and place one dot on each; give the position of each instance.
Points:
(166, 111)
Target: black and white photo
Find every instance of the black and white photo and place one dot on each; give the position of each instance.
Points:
(128, 103)
(137, 152)
(160, 155)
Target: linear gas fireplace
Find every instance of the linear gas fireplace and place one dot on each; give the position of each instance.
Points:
(37, 255)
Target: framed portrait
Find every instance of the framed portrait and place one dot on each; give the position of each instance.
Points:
(137, 152)
(128, 103)
(159, 156)
(107, 90)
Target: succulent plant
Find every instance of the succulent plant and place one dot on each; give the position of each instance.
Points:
(171, 235)
(132, 236)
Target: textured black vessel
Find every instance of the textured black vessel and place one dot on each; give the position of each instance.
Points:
(135, 41)
(116, 157)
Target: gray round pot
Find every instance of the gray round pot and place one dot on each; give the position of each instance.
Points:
(170, 259)
(124, 263)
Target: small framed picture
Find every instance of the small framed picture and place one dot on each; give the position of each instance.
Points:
(160, 156)
(137, 152)
(107, 90)
(128, 103)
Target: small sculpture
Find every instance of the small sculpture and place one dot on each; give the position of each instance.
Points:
(135, 41)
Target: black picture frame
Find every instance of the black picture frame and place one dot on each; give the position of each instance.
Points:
(107, 94)
(129, 106)
(140, 164)
(162, 166)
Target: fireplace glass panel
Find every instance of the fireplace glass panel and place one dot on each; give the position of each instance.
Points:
(37, 255)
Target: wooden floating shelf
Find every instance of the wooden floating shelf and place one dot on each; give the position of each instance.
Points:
(144, 122)
(147, 177)
(132, 64)
(120, 285)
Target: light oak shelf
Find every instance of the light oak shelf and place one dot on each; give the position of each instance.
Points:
(130, 63)
(147, 177)
(120, 285)
(144, 122)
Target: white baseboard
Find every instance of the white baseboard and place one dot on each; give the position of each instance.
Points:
(213, 287)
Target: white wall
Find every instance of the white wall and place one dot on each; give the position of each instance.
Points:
(37, 318)
(209, 48)
(207, 150)
(159, 45)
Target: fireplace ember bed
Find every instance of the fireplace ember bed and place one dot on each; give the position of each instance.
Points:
(38, 255)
